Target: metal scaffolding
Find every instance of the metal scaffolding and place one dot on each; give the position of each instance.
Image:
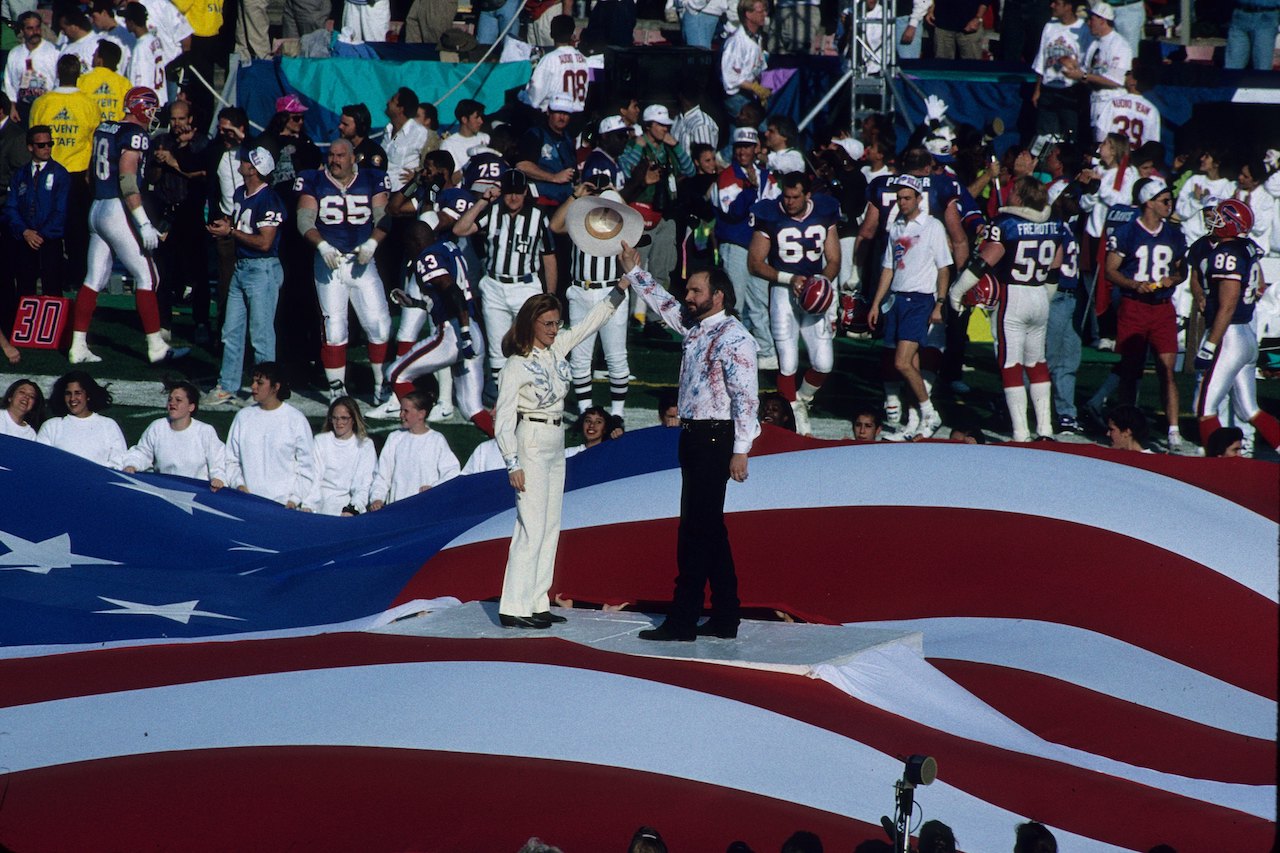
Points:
(871, 61)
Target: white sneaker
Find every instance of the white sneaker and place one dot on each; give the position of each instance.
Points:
(895, 435)
(800, 408)
(381, 394)
(1106, 345)
(389, 410)
(82, 355)
(600, 374)
(167, 353)
(929, 424)
(912, 429)
(892, 417)
(439, 413)
(769, 362)
(221, 397)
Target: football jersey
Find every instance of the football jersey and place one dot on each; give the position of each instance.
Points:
(601, 169)
(1148, 256)
(1029, 248)
(1069, 272)
(455, 200)
(1236, 260)
(484, 167)
(1132, 116)
(345, 216)
(796, 243)
(110, 140)
(439, 260)
(250, 214)
(939, 190)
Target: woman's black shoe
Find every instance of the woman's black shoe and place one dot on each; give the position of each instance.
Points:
(548, 616)
(522, 621)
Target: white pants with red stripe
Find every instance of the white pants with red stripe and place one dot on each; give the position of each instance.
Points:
(441, 350)
(360, 285)
(789, 324)
(1232, 372)
(111, 233)
(1020, 325)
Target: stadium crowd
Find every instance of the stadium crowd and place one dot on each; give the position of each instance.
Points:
(853, 234)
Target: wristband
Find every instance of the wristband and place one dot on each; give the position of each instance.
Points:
(785, 278)
(140, 216)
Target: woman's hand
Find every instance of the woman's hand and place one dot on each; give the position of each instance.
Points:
(216, 484)
(376, 505)
(629, 257)
(517, 479)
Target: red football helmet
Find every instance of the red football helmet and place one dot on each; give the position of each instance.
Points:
(817, 295)
(986, 292)
(1231, 218)
(853, 315)
(142, 104)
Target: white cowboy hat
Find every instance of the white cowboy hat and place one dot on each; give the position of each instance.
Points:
(598, 225)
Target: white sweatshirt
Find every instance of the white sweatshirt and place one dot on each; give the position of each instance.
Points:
(409, 462)
(8, 426)
(270, 453)
(194, 452)
(95, 438)
(344, 474)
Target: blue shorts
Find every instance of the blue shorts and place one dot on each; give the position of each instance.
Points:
(908, 319)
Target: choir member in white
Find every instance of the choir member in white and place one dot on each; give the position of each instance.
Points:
(23, 406)
(345, 461)
(415, 458)
(178, 444)
(80, 429)
(269, 447)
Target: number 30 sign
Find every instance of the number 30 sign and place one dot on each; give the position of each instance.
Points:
(41, 322)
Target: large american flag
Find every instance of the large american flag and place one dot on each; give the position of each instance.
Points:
(1097, 650)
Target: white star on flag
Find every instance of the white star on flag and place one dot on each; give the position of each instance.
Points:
(180, 611)
(185, 501)
(43, 556)
(245, 546)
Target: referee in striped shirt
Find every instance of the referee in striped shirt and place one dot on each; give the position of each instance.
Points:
(590, 279)
(518, 248)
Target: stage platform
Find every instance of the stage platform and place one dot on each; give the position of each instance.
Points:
(789, 647)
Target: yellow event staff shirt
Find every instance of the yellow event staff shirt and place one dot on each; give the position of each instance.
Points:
(73, 117)
(204, 16)
(107, 88)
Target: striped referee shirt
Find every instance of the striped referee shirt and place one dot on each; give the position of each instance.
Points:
(595, 270)
(515, 243)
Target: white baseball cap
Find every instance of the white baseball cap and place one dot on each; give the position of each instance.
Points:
(609, 124)
(855, 149)
(1151, 189)
(261, 160)
(563, 104)
(1105, 11)
(745, 136)
(658, 113)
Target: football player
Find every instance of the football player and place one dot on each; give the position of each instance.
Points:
(1023, 248)
(1228, 352)
(120, 227)
(439, 284)
(793, 239)
(341, 211)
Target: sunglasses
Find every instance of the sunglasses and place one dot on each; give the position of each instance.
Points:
(42, 145)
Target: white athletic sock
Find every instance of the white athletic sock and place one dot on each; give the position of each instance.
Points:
(1041, 404)
(444, 380)
(1016, 399)
(335, 374)
(617, 408)
(926, 408)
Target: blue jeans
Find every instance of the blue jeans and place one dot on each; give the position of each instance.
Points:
(1251, 36)
(253, 293)
(907, 51)
(489, 24)
(698, 28)
(1130, 21)
(1062, 352)
(752, 294)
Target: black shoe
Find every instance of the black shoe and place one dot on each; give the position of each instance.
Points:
(712, 628)
(549, 617)
(664, 633)
(521, 621)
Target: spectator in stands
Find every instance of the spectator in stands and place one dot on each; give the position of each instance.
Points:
(76, 425)
(178, 444)
(1204, 187)
(1224, 442)
(1032, 837)
(868, 422)
(21, 409)
(742, 58)
(354, 126)
(1130, 21)
(958, 29)
(176, 172)
(1251, 34)
(269, 447)
(103, 84)
(31, 67)
(1127, 430)
(1251, 190)
(147, 66)
(1129, 112)
(776, 410)
(303, 17)
(81, 41)
(646, 839)
(699, 20)
(402, 138)
(36, 213)
(1106, 60)
(429, 117)
(14, 155)
(287, 139)
(795, 27)
(738, 189)
(493, 18)
(541, 14)
(907, 16)
(345, 461)
(663, 161)
(595, 425)
(693, 126)
(781, 139)
(1062, 338)
(368, 20)
(222, 175)
(561, 73)
(415, 458)
(802, 841)
(610, 23)
(1059, 99)
(470, 117)
(253, 41)
(876, 154)
(547, 156)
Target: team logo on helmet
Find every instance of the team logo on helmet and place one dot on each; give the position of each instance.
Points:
(1231, 218)
(816, 295)
(986, 293)
(142, 103)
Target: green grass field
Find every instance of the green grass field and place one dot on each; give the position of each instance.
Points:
(116, 337)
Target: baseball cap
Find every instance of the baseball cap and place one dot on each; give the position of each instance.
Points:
(562, 104)
(855, 149)
(746, 136)
(609, 124)
(289, 104)
(515, 181)
(658, 113)
(261, 160)
(1105, 11)
(908, 181)
(1152, 188)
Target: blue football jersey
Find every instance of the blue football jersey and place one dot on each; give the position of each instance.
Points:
(485, 167)
(939, 191)
(455, 200)
(1069, 272)
(251, 214)
(1029, 248)
(345, 217)
(1233, 260)
(601, 169)
(110, 140)
(1148, 256)
(441, 260)
(796, 243)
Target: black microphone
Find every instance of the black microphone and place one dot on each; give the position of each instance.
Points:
(889, 828)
